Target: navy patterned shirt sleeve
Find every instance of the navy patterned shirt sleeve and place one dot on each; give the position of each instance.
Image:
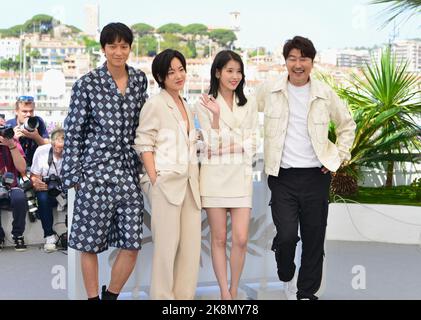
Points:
(144, 96)
(74, 126)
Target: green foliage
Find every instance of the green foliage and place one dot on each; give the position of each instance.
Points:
(195, 29)
(14, 31)
(223, 37)
(14, 64)
(402, 195)
(142, 29)
(39, 23)
(9, 64)
(171, 41)
(206, 51)
(416, 184)
(189, 50)
(74, 30)
(400, 8)
(171, 28)
(385, 102)
(35, 54)
(259, 51)
(40, 18)
(91, 44)
(146, 46)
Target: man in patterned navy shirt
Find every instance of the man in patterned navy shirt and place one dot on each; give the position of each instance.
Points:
(100, 163)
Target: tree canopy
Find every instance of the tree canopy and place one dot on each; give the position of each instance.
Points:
(195, 29)
(142, 29)
(171, 28)
(224, 37)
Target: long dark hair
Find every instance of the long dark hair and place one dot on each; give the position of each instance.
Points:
(221, 59)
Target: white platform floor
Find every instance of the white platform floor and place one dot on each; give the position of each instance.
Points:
(392, 272)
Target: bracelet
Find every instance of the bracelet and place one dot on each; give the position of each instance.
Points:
(11, 148)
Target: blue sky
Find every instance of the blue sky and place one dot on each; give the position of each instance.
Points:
(329, 23)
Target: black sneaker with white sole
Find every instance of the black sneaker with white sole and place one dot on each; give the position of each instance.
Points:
(20, 244)
(301, 296)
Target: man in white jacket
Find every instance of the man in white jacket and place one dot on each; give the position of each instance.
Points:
(299, 159)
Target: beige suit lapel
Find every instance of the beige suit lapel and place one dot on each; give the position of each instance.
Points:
(226, 114)
(240, 113)
(176, 113)
(190, 116)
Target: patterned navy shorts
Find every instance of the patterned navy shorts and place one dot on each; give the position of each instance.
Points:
(107, 214)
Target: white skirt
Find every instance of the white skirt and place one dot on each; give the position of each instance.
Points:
(225, 202)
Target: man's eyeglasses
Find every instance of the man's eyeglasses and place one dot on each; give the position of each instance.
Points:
(25, 99)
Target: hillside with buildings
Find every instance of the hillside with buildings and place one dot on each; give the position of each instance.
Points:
(42, 53)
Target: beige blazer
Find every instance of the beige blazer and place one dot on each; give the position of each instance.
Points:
(163, 131)
(229, 175)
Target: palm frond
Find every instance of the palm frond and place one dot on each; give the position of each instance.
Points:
(385, 100)
(399, 8)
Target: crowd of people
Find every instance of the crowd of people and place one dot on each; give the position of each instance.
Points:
(29, 158)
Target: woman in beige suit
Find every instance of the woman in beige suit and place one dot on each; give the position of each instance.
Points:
(166, 140)
(229, 124)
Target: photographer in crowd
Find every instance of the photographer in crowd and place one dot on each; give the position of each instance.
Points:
(45, 177)
(29, 129)
(12, 164)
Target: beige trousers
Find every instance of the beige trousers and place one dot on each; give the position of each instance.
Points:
(176, 235)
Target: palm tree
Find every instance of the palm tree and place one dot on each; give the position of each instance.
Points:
(385, 102)
(398, 8)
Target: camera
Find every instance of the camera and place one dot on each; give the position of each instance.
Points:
(31, 124)
(4, 193)
(7, 132)
(6, 183)
(54, 185)
(61, 202)
(31, 199)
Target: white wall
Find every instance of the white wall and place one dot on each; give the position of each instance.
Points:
(346, 222)
(379, 223)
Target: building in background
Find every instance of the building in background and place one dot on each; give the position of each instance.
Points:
(9, 48)
(235, 25)
(92, 20)
(408, 50)
(350, 58)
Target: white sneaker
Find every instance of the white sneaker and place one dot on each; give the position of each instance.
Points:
(290, 289)
(50, 243)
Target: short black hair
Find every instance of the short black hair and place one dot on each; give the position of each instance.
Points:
(116, 31)
(162, 62)
(221, 59)
(303, 44)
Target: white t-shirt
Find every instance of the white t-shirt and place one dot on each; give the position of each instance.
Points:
(298, 151)
(40, 162)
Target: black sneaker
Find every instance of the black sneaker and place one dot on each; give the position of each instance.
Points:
(1, 244)
(306, 297)
(107, 295)
(20, 244)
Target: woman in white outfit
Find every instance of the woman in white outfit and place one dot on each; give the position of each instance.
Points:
(229, 123)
